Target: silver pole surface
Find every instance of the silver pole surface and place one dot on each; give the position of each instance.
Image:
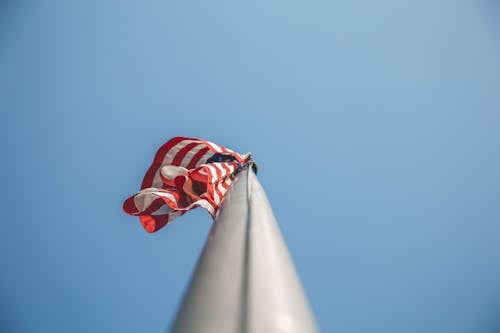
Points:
(245, 281)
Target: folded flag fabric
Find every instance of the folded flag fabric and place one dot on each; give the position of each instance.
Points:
(186, 173)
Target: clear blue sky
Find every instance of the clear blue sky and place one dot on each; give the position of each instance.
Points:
(376, 126)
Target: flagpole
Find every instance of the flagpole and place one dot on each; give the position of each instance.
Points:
(244, 281)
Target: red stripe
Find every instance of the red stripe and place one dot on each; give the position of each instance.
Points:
(129, 206)
(211, 203)
(153, 207)
(228, 181)
(219, 178)
(226, 185)
(174, 204)
(210, 192)
(224, 150)
(182, 153)
(153, 223)
(233, 153)
(158, 160)
(225, 166)
(196, 158)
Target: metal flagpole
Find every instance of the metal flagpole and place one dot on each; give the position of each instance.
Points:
(245, 281)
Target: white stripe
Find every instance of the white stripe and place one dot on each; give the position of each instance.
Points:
(189, 156)
(213, 172)
(157, 179)
(205, 157)
(215, 147)
(226, 185)
(221, 168)
(244, 156)
(173, 215)
(202, 203)
(223, 171)
(166, 195)
(221, 189)
(231, 167)
(168, 159)
(143, 199)
(163, 210)
(206, 205)
(217, 199)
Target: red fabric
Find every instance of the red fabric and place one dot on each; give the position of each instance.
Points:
(210, 172)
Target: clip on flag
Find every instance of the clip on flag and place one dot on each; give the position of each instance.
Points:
(185, 173)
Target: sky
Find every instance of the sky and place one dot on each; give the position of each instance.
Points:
(375, 125)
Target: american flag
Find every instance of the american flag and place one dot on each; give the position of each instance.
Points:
(186, 173)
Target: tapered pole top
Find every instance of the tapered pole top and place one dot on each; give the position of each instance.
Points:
(245, 281)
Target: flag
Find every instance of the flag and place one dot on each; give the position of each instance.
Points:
(186, 173)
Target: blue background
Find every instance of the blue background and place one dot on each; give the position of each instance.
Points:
(376, 127)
